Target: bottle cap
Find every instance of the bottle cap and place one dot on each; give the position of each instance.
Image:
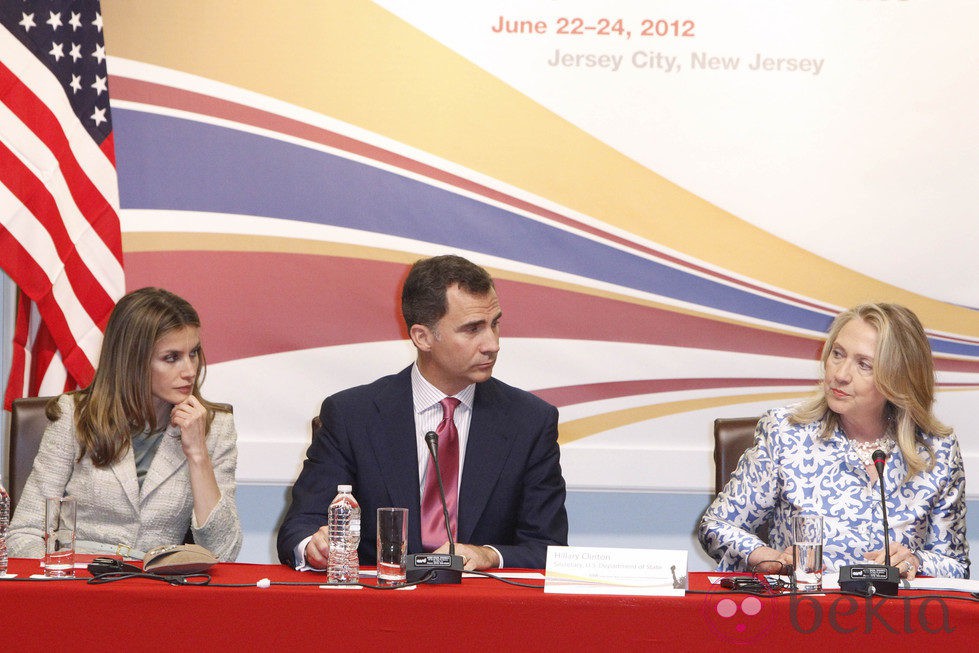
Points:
(345, 488)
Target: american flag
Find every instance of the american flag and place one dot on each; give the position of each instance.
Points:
(60, 240)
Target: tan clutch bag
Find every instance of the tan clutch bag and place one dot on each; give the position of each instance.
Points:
(178, 559)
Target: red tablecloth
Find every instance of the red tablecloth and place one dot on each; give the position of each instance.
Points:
(479, 614)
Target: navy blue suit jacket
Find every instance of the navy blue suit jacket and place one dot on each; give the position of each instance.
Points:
(512, 491)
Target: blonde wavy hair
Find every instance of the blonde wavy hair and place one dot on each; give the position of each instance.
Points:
(904, 373)
(119, 402)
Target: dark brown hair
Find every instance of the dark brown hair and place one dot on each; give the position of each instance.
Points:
(423, 298)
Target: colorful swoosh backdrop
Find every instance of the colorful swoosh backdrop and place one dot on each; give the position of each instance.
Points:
(284, 185)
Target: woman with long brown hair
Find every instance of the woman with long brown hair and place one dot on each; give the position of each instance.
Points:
(146, 457)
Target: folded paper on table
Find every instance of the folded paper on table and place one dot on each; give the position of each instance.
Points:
(637, 572)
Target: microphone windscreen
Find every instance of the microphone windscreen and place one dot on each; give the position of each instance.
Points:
(879, 456)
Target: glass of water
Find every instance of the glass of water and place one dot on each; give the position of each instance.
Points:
(392, 546)
(59, 537)
(807, 552)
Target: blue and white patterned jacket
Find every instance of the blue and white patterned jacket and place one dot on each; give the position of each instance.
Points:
(791, 469)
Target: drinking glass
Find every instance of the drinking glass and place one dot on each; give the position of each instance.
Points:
(807, 552)
(392, 545)
(59, 537)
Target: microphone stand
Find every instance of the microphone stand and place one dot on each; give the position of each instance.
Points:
(436, 568)
(874, 579)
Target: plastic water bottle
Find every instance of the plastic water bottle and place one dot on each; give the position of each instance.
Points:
(343, 522)
(4, 527)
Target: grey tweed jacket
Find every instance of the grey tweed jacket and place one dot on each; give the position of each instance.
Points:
(114, 513)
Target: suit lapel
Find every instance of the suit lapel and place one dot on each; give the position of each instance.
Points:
(124, 470)
(392, 438)
(487, 450)
(167, 460)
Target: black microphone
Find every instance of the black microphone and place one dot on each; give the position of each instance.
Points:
(879, 457)
(874, 579)
(436, 568)
(432, 440)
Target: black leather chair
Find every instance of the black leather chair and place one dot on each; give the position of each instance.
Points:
(27, 424)
(732, 436)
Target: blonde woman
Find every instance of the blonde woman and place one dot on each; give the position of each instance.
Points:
(877, 393)
(145, 456)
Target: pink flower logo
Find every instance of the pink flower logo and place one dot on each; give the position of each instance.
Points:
(738, 618)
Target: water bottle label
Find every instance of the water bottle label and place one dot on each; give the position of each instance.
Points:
(355, 526)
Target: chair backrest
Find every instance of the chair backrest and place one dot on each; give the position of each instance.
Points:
(732, 436)
(27, 424)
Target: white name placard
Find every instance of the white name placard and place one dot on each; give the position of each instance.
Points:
(636, 572)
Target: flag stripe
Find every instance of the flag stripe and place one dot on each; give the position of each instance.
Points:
(32, 217)
(35, 247)
(67, 320)
(46, 379)
(59, 224)
(35, 135)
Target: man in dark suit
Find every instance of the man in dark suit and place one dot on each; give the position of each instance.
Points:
(510, 501)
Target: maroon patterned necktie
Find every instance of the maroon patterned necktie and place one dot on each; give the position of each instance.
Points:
(433, 523)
